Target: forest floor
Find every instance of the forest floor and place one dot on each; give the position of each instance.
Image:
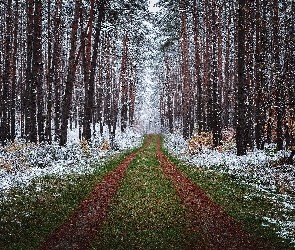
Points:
(206, 225)
(145, 199)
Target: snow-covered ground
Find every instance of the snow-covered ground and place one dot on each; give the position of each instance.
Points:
(22, 162)
(257, 169)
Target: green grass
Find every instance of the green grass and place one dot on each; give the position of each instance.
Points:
(146, 212)
(29, 214)
(228, 193)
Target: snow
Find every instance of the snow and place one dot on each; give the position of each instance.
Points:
(21, 163)
(152, 8)
(148, 115)
(257, 169)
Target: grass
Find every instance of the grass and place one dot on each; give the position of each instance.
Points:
(146, 212)
(29, 214)
(231, 195)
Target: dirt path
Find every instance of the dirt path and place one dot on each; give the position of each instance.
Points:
(81, 228)
(218, 230)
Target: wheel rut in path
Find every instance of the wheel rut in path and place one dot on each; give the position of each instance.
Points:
(82, 227)
(218, 230)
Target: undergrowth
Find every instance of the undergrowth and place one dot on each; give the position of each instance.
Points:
(28, 215)
(233, 197)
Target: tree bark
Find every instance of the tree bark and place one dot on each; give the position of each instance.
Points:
(6, 78)
(38, 71)
(14, 72)
(216, 81)
(71, 74)
(199, 102)
(124, 85)
(49, 75)
(277, 77)
(56, 66)
(92, 70)
(89, 95)
(132, 87)
(260, 78)
(242, 95)
(185, 73)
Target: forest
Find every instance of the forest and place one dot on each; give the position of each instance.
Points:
(229, 64)
(147, 124)
(68, 64)
(218, 64)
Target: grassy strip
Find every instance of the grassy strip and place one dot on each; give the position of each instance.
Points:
(146, 212)
(28, 215)
(224, 190)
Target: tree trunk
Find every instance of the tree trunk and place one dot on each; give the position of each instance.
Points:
(185, 73)
(14, 72)
(169, 95)
(49, 76)
(93, 66)
(124, 85)
(249, 75)
(56, 65)
(38, 70)
(89, 90)
(259, 112)
(277, 77)
(199, 103)
(132, 86)
(67, 100)
(6, 78)
(207, 102)
(226, 89)
(216, 118)
(289, 65)
(242, 95)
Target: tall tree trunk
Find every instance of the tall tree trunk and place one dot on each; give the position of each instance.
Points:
(278, 82)
(6, 78)
(14, 72)
(169, 95)
(49, 75)
(207, 102)
(132, 86)
(115, 99)
(56, 65)
(124, 85)
(242, 94)
(38, 69)
(259, 78)
(71, 72)
(226, 89)
(197, 68)
(99, 98)
(30, 91)
(108, 84)
(93, 66)
(89, 95)
(216, 118)
(289, 65)
(249, 75)
(185, 73)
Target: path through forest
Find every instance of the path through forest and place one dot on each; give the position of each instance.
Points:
(206, 225)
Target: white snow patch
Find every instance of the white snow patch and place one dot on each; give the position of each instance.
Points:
(24, 163)
(273, 182)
